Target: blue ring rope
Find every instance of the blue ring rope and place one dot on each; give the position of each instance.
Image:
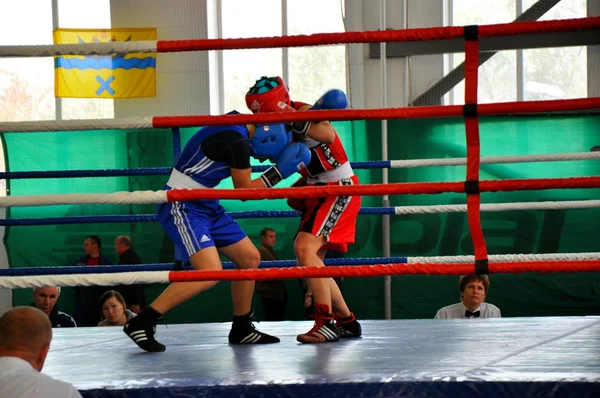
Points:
(110, 269)
(378, 164)
(121, 219)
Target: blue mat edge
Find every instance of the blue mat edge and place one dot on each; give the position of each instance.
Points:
(384, 389)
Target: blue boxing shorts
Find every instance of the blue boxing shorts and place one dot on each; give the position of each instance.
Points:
(196, 225)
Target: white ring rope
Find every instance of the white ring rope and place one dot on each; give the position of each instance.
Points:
(567, 204)
(506, 258)
(554, 157)
(136, 197)
(124, 123)
(119, 278)
(48, 50)
(145, 277)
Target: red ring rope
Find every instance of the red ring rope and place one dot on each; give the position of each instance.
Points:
(383, 270)
(387, 189)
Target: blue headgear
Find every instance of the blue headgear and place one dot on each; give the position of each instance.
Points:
(269, 140)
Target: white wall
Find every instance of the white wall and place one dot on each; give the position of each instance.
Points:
(593, 55)
(364, 73)
(182, 79)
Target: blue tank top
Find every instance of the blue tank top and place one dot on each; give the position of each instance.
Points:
(195, 164)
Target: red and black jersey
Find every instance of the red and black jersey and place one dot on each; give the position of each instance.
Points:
(324, 157)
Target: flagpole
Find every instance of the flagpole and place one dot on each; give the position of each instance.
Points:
(55, 25)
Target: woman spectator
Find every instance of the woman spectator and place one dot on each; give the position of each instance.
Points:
(113, 309)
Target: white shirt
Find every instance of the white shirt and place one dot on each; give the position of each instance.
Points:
(18, 379)
(458, 310)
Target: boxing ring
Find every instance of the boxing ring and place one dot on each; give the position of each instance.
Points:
(504, 357)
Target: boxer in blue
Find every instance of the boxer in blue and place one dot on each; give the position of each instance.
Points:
(203, 230)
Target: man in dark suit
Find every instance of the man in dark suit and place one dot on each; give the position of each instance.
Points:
(133, 294)
(273, 293)
(87, 298)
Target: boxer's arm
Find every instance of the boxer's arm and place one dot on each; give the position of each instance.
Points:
(319, 131)
(293, 158)
(322, 131)
(242, 178)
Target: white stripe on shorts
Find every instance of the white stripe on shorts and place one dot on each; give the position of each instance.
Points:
(181, 228)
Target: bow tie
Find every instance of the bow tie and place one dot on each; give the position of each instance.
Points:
(469, 314)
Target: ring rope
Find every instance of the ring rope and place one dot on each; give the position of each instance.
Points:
(462, 259)
(418, 34)
(384, 270)
(471, 122)
(501, 108)
(156, 197)
(226, 265)
(373, 164)
(569, 266)
(397, 210)
(473, 169)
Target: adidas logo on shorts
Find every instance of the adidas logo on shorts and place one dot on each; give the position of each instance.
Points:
(204, 239)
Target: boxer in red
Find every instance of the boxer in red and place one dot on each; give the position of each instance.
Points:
(328, 222)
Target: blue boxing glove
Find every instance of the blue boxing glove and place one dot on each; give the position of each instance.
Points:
(293, 158)
(332, 99)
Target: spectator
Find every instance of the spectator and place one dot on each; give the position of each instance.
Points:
(114, 310)
(44, 299)
(25, 336)
(87, 297)
(133, 294)
(473, 289)
(273, 294)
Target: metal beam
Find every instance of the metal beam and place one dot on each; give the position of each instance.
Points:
(434, 94)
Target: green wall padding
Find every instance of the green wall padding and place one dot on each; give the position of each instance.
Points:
(411, 235)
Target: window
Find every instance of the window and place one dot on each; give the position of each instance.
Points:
(26, 84)
(548, 73)
(241, 68)
(559, 72)
(312, 70)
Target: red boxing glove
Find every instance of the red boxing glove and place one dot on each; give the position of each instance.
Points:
(297, 204)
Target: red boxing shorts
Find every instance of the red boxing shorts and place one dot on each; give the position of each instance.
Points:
(333, 217)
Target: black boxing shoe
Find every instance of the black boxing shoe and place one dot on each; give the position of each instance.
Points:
(243, 331)
(141, 330)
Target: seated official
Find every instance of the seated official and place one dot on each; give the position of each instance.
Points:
(473, 289)
(25, 337)
(44, 299)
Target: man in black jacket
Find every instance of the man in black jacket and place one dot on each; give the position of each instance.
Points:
(44, 299)
(133, 294)
(87, 298)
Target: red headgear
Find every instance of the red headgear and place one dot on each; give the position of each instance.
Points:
(266, 94)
